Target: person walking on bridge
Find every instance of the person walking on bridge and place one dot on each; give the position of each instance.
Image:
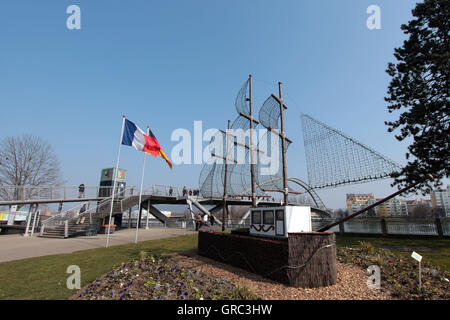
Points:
(81, 191)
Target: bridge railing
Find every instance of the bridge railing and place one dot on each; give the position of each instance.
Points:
(76, 212)
(391, 226)
(11, 193)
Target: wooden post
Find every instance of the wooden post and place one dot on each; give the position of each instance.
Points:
(225, 178)
(341, 228)
(252, 162)
(384, 227)
(439, 228)
(283, 146)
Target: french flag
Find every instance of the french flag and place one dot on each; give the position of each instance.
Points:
(134, 136)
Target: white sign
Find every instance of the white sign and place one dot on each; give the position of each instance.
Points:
(416, 256)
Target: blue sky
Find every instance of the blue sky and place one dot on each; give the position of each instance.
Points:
(169, 63)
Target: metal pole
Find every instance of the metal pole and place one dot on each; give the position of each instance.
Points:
(140, 193)
(420, 275)
(283, 146)
(28, 220)
(225, 179)
(115, 181)
(34, 222)
(148, 212)
(252, 162)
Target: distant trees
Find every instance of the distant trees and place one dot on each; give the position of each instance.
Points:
(341, 213)
(420, 86)
(438, 212)
(421, 211)
(26, 160)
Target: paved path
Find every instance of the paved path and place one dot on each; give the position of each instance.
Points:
(16, 246)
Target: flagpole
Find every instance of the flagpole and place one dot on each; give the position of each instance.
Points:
(115, 181)
(140, 193)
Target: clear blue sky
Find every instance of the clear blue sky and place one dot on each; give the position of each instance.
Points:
(168, 63)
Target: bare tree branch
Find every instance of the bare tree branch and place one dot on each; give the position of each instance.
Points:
(27, 161)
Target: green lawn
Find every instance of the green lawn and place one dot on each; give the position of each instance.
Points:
(45, 277)
(434, 251)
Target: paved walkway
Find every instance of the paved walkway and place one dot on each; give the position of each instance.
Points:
(16, 246)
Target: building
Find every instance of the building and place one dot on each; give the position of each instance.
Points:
(358, 201)
(441, 200)
(392, 208)
(416, 205)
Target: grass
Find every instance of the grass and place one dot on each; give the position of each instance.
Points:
(45, 277)
(434, 251)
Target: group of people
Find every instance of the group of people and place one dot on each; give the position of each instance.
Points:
(190, 192)
(186, 192)
(203, 220)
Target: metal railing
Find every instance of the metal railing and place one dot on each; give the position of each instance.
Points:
(71, 215)
(59, 218)
(391, 226)
(12, 193)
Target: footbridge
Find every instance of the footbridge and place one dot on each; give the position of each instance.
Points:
(93, 210)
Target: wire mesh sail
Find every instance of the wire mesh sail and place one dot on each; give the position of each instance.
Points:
(334, 159)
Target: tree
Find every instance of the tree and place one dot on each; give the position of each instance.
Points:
(26, 161)
(420, 85)
(421, 211)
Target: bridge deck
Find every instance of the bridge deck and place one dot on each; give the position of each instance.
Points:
(154, 199)
(31, 201)
(159, 199)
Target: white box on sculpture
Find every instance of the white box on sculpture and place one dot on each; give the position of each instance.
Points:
(279, 221)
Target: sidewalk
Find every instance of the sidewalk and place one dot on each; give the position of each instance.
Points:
(16, 246)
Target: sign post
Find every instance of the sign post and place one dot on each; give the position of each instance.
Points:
(418, 257)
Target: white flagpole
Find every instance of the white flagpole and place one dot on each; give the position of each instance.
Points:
(140, 193)
(115, 181)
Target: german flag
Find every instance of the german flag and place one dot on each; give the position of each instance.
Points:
(160, 152)
(163, 155)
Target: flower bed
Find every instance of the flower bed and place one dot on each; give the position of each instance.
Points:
(158, 278)
(399, 275)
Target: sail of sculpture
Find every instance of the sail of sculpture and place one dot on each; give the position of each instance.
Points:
(334, 158)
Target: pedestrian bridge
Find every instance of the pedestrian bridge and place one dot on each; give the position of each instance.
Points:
(92, 208)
